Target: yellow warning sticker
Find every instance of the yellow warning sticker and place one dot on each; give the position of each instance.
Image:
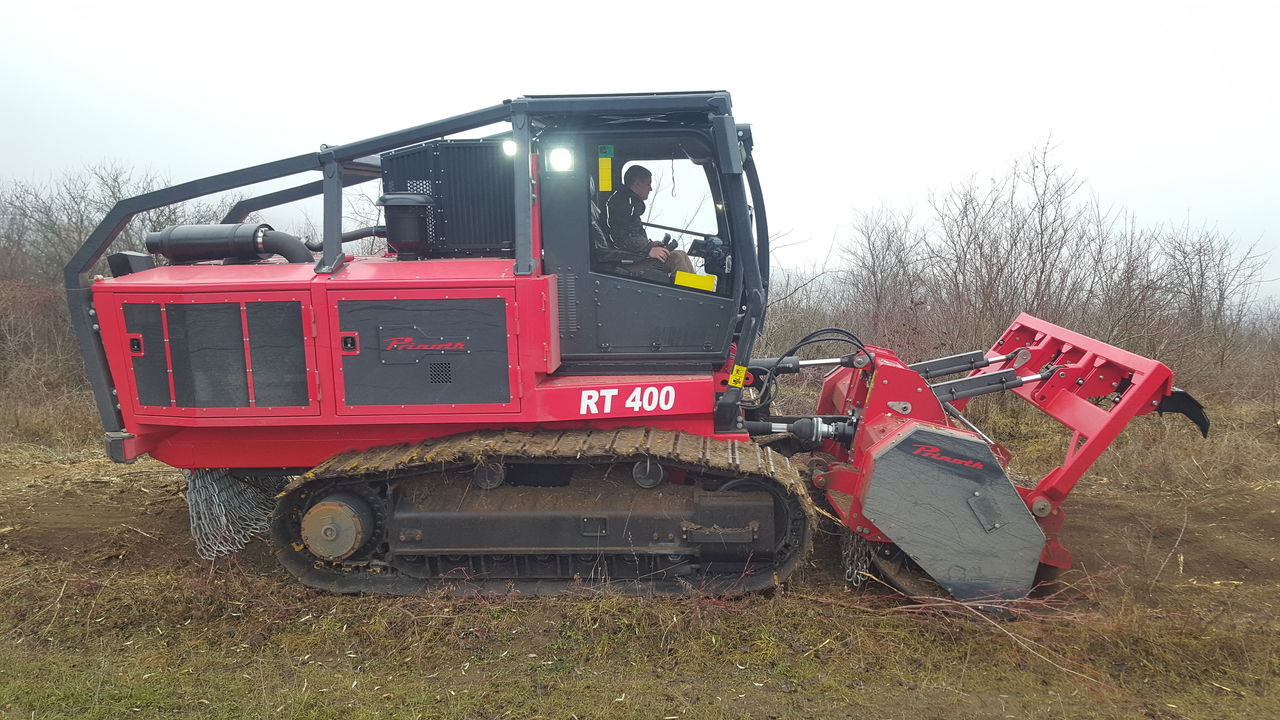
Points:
(737, 376)
(606, 174)
(695, 281)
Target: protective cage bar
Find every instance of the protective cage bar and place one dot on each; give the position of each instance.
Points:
(331, 160)
(342, 166)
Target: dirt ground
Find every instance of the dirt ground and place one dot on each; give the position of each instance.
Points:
(1170, 614)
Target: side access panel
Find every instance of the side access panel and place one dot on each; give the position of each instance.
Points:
(212, 354)
(439, 351)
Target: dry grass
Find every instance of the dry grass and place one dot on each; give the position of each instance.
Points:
(1170, 612)
(1171, 615)
(226, 643)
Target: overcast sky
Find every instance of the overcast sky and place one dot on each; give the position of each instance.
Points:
(1167, 108)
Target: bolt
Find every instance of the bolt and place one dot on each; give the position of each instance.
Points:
(1062, 374)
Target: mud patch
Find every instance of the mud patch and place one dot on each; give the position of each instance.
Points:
(94, 512)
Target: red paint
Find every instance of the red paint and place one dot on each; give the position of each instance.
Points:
(300, 437)
(259, 436)
(1090, 369)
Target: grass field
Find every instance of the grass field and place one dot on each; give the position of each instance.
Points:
(1170, 613)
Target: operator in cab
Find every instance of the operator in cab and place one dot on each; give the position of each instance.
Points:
(649, 259)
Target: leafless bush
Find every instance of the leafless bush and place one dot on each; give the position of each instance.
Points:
(1034, 241)
(800, 301)
(42, 225)
(925, 285)
(884, 278)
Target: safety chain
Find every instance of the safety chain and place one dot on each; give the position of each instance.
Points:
(855, 555)
(226, 510)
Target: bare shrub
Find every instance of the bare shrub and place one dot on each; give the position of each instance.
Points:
(1034, 241)
(46, 398)
(42, 225)
(884, 280)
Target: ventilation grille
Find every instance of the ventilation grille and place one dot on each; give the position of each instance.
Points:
(568, 291)
(471, 181)
(440, 373)
(219, 354)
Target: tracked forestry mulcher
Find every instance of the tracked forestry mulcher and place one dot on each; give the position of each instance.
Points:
(505, 399)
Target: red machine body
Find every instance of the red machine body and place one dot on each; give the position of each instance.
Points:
(517, 388)
(262, 435)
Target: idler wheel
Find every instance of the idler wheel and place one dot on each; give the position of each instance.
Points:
(489, 477)
(648, 474)
(336, 527)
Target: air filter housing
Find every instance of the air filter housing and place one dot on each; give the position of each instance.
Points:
(470, 182)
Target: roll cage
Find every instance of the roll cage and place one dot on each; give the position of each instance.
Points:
(358, 162)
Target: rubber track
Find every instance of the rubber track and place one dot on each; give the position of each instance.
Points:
(694, 453)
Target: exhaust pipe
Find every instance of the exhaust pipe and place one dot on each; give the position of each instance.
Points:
(246, 241)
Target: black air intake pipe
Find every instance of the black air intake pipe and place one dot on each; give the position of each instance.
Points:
(246, 241)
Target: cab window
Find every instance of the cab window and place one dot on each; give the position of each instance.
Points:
(664, 203)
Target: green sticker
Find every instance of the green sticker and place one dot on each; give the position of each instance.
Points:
(604, 151)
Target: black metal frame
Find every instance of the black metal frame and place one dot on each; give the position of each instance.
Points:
(350, 164)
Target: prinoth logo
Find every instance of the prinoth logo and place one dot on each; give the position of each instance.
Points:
(408, 343)
(932, 452)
